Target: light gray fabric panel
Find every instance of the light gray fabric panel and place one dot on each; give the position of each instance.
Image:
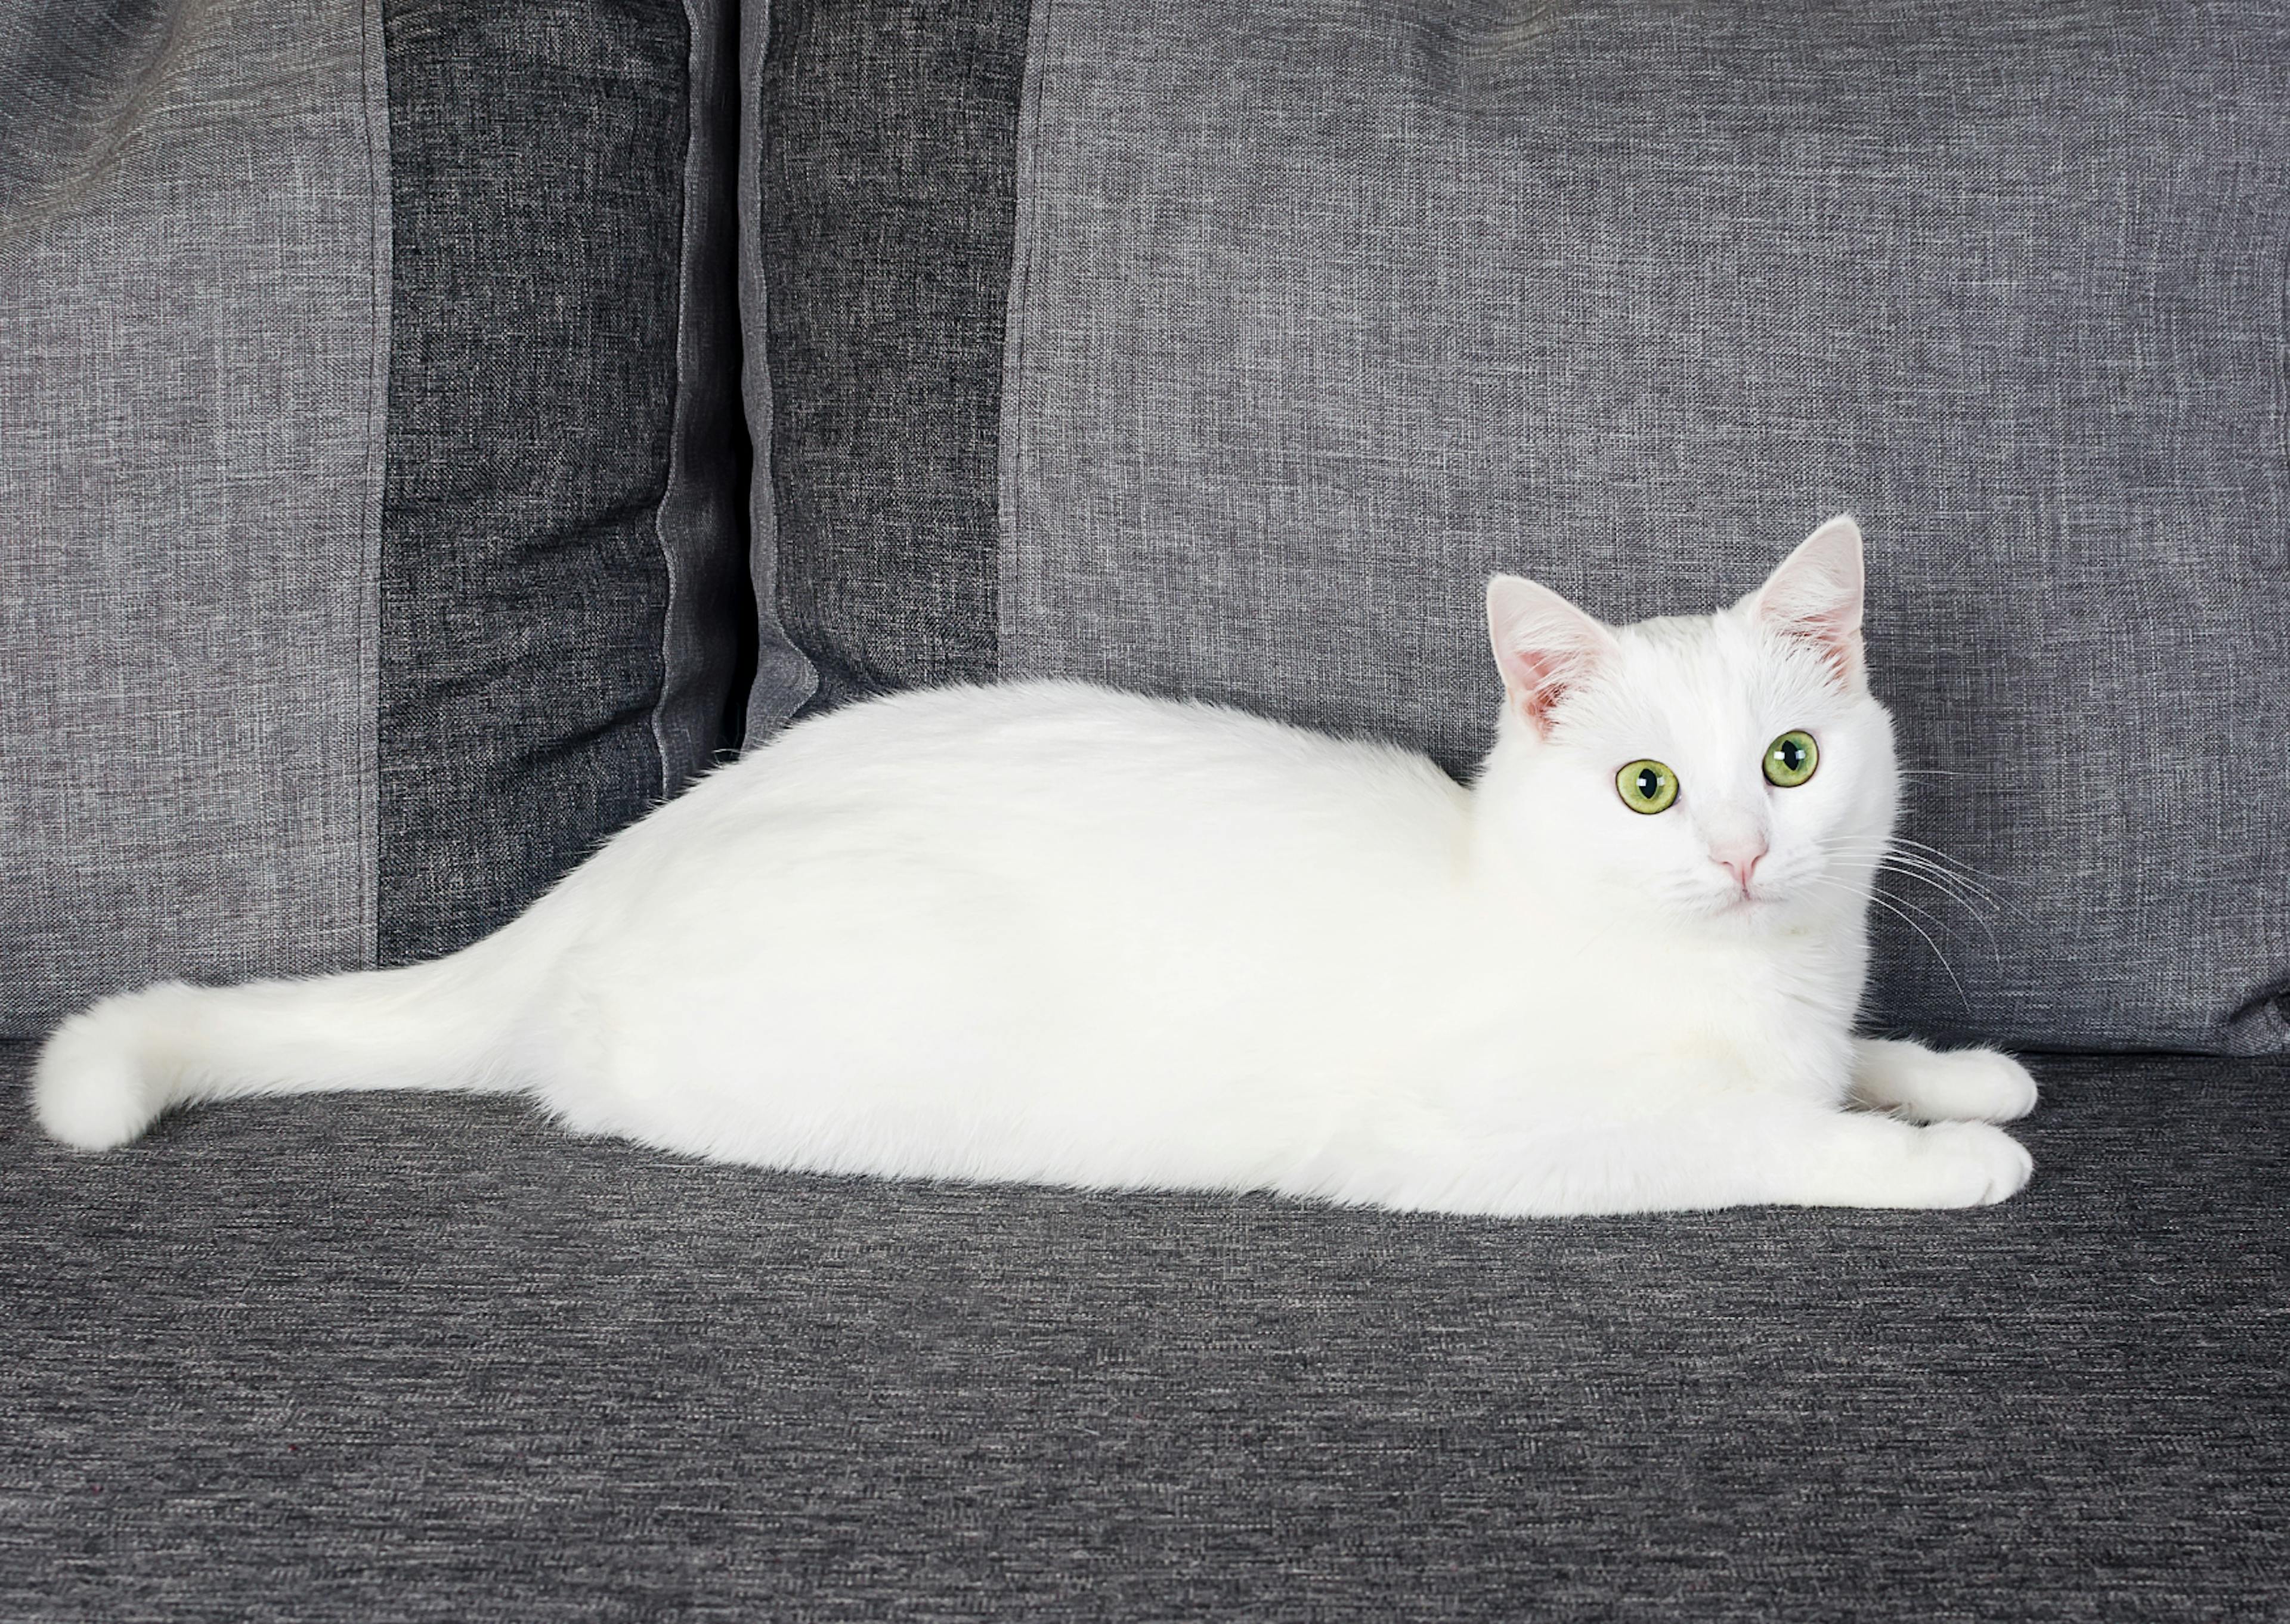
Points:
(193, 232)
(1322, 309)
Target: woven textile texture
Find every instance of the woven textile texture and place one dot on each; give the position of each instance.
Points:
(194, 240)
(1324, 312)
(370, 471)
(883, 152)
(561, 600)
(1322, 309)
(385, 1358)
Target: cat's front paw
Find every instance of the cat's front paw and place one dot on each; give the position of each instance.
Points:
(1965, 1085)
(1968, 1165)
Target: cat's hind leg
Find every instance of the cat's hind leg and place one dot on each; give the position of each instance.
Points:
(1921, 1084)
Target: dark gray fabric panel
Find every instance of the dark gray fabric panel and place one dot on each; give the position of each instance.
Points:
(711, 633)
(399, 1358)
(885, 146)
(193, 323)
(561, 609)
(1325, 310)
(781, 678)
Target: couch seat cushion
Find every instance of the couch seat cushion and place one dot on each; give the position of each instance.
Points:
(398, 1358)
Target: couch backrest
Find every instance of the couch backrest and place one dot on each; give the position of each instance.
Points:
(1317, 311)
(371, 470)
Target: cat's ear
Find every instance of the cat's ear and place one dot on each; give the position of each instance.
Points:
(1543, 646)
(1815, 597)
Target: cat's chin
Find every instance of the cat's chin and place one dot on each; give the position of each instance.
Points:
(1757, 911)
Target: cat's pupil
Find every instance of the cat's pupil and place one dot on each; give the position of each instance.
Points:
(1790, 754)
(1648, 782)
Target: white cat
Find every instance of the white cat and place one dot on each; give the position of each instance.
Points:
(1051, 933)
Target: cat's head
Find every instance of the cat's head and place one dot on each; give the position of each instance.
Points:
(1733, 768)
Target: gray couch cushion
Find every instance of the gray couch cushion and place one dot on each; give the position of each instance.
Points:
(393, 1357)
(1318, 313)
(1325, 310)
(563, 599)
(371, 467)
(882, 141)
(193, 282)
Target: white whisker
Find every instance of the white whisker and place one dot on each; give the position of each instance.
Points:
(1893, 907)
(1935, 868)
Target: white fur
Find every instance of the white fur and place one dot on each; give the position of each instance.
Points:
(1049, 932)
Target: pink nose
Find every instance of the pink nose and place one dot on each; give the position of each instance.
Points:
(1740, 862)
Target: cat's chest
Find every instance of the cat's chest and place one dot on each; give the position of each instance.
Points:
(1651, 1018)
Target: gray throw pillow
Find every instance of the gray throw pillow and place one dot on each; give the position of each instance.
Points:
(371, 470)
(1226, 349)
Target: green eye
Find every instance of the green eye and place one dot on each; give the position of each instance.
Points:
(1790, 759)
(1646, 786)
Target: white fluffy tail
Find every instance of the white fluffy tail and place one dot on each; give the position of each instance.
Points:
(106, 1075)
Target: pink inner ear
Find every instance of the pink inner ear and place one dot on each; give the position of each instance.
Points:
(1538, 678)
(1832, 633)
(1815, 597)
(1543, 646)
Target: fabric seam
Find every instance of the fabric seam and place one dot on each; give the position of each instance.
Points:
(373, 75)
(1017, 315)
(696, 132)
(778, 656)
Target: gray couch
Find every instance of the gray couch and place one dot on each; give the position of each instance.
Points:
(432, 432)
(393, 1358)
